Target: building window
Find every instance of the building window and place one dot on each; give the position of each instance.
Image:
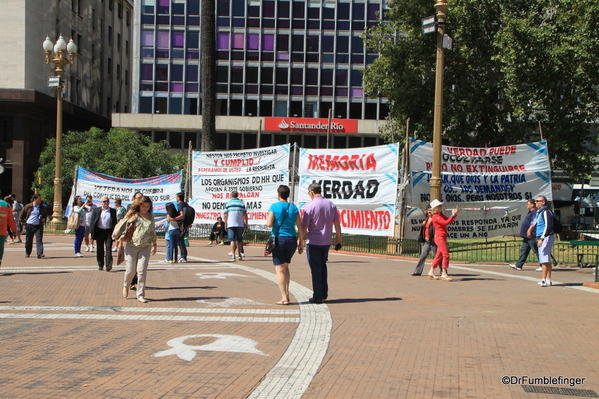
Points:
(128, 17)
(118, 41)
(120, 9)
(111, 4)
(110, 34)
(109, 66)
(118, 71)
(126, 76)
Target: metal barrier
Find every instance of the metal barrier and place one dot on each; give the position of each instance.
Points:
(493, 252)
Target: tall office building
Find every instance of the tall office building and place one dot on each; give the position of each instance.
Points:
(97, 84)
(275, 58)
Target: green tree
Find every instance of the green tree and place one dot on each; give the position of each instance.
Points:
(118, 152)
(518, 67)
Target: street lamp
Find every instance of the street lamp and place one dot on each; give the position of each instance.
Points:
(435, 183)
(59, 61)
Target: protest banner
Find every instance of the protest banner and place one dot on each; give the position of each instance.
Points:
(254, 174)
(160, 189)
(472, 223)
(362, 182)
(482, 176)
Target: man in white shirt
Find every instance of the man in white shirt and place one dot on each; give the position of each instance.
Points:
(101, 227)
(33, 217)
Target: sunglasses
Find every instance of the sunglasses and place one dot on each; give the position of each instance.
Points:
(539, 201)
(105, 201)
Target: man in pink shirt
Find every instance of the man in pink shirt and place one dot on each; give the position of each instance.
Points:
(318, 220)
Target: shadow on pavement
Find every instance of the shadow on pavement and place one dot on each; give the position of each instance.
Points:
(354, 300)
(181, 288)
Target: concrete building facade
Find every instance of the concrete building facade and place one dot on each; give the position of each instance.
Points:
(95, 86)
(275, 58)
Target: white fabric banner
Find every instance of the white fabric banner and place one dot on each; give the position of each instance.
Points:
(362, 182)
(473, 223)
(161, 189)
(254, 174)
(482, 175)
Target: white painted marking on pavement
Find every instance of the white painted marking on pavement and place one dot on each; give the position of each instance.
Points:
(223, 343)
(146, 309)
(55, 316)
(220, 276)
(227, 302)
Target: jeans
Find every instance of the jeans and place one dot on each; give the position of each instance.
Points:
(527, 245)
(171, 244)
(79, 234)
(427, 247)
(318, 255)
(36, 230)
(182, 246)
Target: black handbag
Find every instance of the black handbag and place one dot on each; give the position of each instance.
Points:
(272, 241)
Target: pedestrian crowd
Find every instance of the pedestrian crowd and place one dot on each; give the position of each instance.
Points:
(131, 232)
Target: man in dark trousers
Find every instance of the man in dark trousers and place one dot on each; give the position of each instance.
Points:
(33, 217)
(101, 226)
(318, 220)
(528, 243)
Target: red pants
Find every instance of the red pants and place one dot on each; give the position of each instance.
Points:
(442, 256)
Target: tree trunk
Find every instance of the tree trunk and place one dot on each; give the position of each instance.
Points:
(208, 70)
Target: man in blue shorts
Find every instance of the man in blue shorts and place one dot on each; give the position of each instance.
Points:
(236, 220)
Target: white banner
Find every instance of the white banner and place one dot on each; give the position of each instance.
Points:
(161, 189)
(254, 174)
(362, 182)
(482, 175)
(473, 223)
(522, 158)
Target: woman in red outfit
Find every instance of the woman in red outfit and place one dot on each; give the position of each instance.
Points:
(440, 222)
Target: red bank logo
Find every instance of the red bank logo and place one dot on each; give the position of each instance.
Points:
(311, 125)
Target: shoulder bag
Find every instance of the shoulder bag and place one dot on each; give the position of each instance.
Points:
(272, 240)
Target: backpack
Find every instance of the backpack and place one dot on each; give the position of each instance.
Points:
(189, 215)
(557, 225)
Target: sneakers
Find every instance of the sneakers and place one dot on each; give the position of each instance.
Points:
(114, 249)
(243, 254)
(233, 259)
(539, 269)
(211, 242)
(78, 255)
(87, 248)
(240, 257)
(142, 299)
(181, 260)
(545, 283)
(93, 248)
(221, 243)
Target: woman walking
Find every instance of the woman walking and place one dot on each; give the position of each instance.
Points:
(427, 238)
(283, 217)
(141, 246)
(80, 210)
(440, 222)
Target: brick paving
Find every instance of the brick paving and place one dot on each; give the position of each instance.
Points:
(67, 332)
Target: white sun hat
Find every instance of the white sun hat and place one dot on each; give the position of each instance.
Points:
(436, 203)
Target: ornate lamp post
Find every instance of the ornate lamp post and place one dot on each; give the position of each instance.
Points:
(435, 183)
(59, 60)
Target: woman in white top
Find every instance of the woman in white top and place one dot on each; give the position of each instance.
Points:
(80, 210)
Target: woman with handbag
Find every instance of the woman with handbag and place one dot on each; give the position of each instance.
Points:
(283, 217)
(81, 212)
(141, 246)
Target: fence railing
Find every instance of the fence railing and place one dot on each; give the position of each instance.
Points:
(491, 251)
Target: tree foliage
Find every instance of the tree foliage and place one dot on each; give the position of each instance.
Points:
(518, 68)
(118, 152)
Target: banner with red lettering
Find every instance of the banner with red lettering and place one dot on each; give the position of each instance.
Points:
(255, 174)
(362, 182)
(482, 176)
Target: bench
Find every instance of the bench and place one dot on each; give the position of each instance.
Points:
(580, 255)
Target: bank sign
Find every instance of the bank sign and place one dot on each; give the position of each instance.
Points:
(310, 125)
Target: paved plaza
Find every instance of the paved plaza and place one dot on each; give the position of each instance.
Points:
(212, 330)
